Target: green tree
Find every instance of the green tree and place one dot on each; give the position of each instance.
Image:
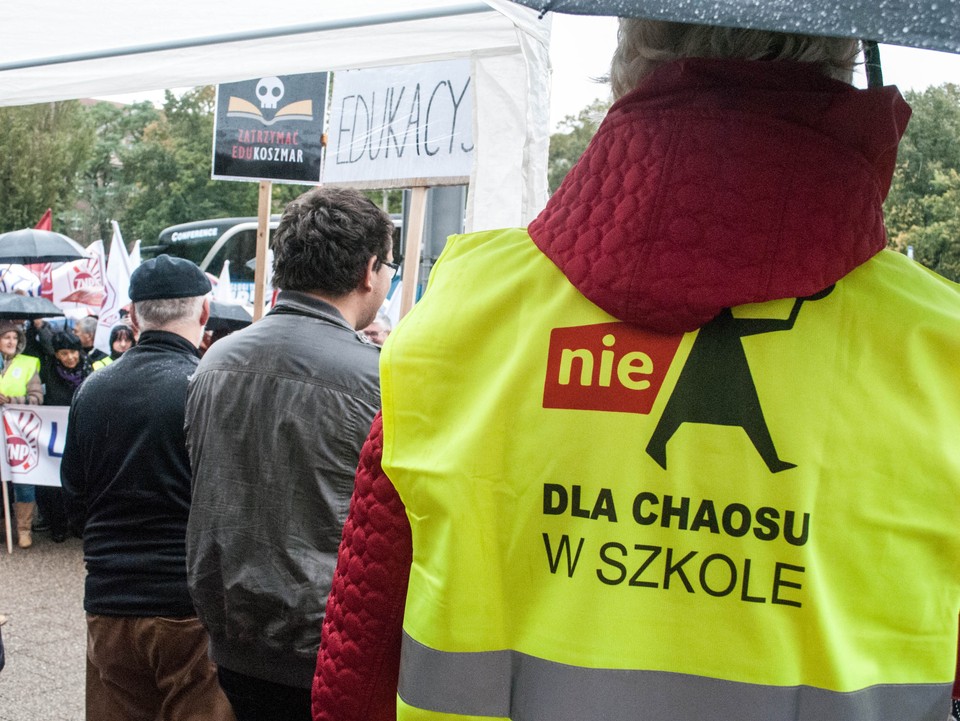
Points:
(573, 135)
(922, 210)
(42, 149)
(104, 192)
(170, 170)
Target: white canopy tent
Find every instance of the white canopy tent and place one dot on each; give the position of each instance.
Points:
(60, 49)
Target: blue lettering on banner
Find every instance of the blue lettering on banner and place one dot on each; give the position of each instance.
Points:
(51, 446)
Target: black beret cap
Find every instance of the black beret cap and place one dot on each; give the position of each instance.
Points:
(167, 277)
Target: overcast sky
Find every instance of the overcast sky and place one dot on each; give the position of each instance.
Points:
(581, 48)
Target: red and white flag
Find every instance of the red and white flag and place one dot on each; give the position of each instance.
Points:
(78, 286)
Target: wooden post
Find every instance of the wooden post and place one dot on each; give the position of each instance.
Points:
(263, 239)
(411, 257)
(6, 515)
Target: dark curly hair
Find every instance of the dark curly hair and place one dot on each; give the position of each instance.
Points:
(325, 239)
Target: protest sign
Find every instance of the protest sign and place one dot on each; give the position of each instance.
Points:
(270, 129)
(403, 126)
(34, 437)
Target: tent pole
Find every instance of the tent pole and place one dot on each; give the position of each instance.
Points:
(278, 32)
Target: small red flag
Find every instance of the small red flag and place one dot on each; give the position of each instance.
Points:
(44, 270)
(46, 222)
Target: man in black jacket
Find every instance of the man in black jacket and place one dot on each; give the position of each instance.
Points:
(276, 415)
(126, 483)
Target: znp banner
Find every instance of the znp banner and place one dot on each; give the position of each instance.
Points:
(35, 438)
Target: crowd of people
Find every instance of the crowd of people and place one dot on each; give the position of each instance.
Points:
(591, 497)
(43, 365)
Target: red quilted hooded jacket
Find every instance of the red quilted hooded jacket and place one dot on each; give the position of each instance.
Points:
(715, 183)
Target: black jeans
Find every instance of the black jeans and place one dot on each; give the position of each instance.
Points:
(50, 505)
(254, 699)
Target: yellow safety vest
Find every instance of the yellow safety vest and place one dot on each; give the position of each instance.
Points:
(17, 373)
(758, 519)
(102, 363)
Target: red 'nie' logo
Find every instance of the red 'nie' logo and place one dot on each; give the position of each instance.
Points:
(607, 367)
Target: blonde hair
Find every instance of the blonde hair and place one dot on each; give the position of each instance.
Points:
(646, 44)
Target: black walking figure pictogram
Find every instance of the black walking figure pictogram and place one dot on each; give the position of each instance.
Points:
(716, 387)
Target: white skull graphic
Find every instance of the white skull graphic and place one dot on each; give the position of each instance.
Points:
(269, 90)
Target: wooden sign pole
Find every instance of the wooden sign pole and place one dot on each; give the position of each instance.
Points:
(6, 516)
(263, 239)
(411, 258)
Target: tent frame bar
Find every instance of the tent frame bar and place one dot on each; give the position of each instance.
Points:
(345, 24)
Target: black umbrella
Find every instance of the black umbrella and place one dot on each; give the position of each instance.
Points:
(14, 306)
(930, 24)
(228, 316)
(37, 246)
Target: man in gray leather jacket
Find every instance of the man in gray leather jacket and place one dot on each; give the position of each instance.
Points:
(276, 416)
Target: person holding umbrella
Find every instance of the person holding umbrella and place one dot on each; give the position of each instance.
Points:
(20, 383)
(690, 449)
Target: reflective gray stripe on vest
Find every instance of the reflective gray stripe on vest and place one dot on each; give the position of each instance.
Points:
(508, 684)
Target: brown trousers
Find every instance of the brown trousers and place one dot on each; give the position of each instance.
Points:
(151, 669)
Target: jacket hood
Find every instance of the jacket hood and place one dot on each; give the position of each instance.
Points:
(14, 325)
(115, 332)
(722, 182)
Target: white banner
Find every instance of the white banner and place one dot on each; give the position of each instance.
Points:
(18, 278)
(35, 437)
(400, 126)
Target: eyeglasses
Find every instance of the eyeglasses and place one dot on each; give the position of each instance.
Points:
(394, 266)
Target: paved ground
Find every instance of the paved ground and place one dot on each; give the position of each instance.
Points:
(41, 593)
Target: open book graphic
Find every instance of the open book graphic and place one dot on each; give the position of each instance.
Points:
(240, 108)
